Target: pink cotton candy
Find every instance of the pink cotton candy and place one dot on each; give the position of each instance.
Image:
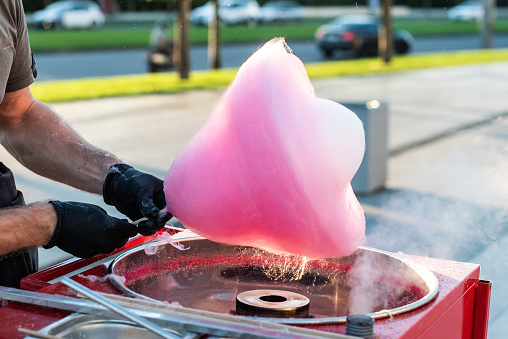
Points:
(273, 165)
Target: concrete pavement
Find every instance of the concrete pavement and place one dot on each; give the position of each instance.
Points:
(446, 195)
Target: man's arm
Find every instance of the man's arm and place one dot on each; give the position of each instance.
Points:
(83, 230)
(44, 143)
(26, 226)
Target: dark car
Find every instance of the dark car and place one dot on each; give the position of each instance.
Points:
(360, 37)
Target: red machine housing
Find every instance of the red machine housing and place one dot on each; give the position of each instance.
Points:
(460, 310)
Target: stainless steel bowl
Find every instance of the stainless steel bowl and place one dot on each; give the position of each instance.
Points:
(209, 275)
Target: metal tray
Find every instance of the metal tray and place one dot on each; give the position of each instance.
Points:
(79, 326)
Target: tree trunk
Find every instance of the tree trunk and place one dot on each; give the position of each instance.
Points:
(184, 65)
(385, 43)
(214, 42)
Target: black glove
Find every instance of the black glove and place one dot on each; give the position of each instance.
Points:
(137, 195)
(85, 230)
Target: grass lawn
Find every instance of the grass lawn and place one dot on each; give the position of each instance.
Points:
(133, 37)
(68, 90)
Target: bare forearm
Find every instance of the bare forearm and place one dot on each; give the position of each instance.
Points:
(26, 226)
(47, 145)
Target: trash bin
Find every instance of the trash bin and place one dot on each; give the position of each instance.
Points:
(372, 174)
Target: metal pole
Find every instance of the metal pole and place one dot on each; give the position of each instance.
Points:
(487, 27)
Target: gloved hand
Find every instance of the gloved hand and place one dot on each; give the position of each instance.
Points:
(85, 230)
(137, 195)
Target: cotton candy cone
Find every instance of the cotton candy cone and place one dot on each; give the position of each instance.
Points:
(273, 165)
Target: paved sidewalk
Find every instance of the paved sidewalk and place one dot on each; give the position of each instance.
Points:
(446, 194)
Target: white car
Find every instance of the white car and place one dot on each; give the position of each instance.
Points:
(230, 12)
(466, 11)
(69, 14)
(281, 10)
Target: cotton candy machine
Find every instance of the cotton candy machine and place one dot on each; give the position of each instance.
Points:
(241, 280)
(231, 291)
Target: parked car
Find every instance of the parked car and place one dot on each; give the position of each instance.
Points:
(281, 11)
(359, 36)
(230, 12)
(69, 14)
(466, 11)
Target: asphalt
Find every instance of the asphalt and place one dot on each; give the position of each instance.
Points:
(446, 194)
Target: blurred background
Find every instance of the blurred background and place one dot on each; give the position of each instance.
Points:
(140, 36)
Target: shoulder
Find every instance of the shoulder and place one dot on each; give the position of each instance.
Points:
(12, 25)
(11, 11)
(15, 59)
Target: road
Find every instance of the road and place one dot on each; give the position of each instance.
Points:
(56, 66)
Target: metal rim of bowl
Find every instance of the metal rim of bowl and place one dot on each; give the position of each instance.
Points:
(427, 276)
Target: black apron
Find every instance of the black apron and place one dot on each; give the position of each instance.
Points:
(16, 265)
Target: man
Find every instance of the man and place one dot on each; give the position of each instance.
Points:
(43, 142)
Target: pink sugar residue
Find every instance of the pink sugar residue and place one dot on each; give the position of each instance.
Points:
(273, 165)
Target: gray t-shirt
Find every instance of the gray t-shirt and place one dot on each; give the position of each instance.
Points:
(15, 56)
